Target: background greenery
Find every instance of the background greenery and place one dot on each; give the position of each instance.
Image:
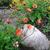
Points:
(8, 37)
(7, 31)
(5, 2)
(41, 12)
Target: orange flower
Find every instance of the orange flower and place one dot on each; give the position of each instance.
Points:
(39, 21)
(34, 6)
(8, 20)
(24, 3)
(18, 32)
(25, 20)
(28, 9)
(29, 26)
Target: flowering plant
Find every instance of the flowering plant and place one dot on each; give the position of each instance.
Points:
(33, 12)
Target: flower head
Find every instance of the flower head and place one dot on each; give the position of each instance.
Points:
(18, 32)
(28, 9)
(25, 20)
(29, 26)
(34, 6)
(8, 20)
(39, 22)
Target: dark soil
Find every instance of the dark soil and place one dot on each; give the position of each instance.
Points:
(22, 47)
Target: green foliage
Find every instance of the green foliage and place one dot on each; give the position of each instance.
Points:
(8, 37)
(5, 2)
(47, 26)
(7, 31)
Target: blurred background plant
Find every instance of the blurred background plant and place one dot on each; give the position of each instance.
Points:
(35, 12)
(5, 2)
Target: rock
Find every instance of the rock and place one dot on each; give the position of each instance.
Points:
(34, 38)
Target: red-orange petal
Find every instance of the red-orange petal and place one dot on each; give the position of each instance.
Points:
(29, 26)
(18, 32)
